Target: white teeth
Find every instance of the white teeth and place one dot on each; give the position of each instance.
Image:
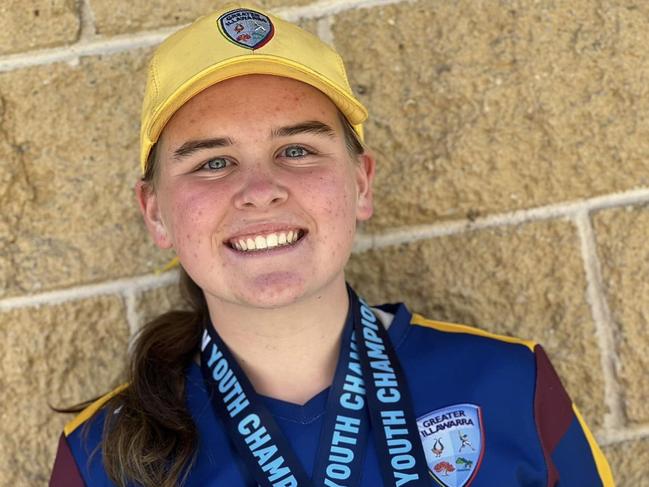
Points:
(260, 242)
(269, 241)
(272, 240)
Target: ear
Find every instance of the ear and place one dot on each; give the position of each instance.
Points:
(364, 179)
(150, 209)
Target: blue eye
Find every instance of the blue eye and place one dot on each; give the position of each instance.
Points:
(296, 151)
(216, 164)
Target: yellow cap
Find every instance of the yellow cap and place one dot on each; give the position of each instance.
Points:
(234, 41)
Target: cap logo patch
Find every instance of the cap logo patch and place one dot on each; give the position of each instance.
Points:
(246, 28)
(453, 441)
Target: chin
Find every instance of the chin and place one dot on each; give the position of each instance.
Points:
(274, 290)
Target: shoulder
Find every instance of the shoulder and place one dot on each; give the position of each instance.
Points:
(84, 435)
(91, 411)
(466, 345)
(467, 362)
(465, 331)
(463, 364)
(514, 381)
(78, 459)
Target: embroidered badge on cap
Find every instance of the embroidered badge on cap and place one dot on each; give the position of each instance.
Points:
(453, 441)
(246, 28)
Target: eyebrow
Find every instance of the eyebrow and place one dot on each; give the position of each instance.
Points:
(192, 146)
(310, 127)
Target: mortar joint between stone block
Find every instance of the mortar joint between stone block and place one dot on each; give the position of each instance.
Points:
(132, 316)
(84, 48)
(609, 437)
(323, 8)
(604, 326)
(88, 24)
(565, 210)
(324, 30)
(116, 287)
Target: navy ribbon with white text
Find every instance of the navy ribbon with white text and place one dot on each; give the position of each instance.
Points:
(368, 379)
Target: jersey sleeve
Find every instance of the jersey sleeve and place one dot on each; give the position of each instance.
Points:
(572, 455)
(65, 472)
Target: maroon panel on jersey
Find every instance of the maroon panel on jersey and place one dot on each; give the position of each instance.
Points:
(65, 472)
(552, 410)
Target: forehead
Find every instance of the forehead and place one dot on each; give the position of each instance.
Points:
(254, 100)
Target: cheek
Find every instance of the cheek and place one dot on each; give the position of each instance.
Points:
(191, 213)
(336, 203)
(329, 193)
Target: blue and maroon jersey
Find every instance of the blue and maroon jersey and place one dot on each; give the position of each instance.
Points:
(491, 412)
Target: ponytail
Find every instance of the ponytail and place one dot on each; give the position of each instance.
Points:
(149, 436)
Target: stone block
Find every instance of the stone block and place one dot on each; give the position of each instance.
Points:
(69, 161)
(526, 281)
(624, 256)
(310, 25)
(56, 355)
(629, 462)
(486, 107)
(15, 193)
(154, 302)
(37, 24)
(119, 16)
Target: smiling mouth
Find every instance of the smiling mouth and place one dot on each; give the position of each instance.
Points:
(256, 243)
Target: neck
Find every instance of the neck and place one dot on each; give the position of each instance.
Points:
(288, 353)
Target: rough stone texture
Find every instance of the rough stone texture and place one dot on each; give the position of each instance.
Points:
(154, 302)
(525, 281)
(629, 462)
(310, 25)
(480, 107)
(15, 193)
(119, 16)
(37, 24)
(55, 355)
(624, 255)
(67, 172)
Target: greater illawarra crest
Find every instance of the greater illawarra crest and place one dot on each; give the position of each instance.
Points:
(453, 442)
(246, 28)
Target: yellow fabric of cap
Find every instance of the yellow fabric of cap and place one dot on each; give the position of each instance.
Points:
(238, 40)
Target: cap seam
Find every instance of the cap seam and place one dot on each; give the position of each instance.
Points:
(341, 65)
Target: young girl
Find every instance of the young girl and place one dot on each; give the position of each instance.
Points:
(255, 173)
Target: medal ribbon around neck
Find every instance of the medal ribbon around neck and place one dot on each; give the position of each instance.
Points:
(368, 378)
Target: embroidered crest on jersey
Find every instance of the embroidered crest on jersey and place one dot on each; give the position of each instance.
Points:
(453, 441)
(246, 28)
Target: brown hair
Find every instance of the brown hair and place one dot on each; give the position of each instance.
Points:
(149, 436)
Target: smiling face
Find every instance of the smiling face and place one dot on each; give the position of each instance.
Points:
(257, 192)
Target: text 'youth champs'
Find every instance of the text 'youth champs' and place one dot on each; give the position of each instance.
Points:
(351, 408)
(345, 427)
(395, 429)
(250, 427)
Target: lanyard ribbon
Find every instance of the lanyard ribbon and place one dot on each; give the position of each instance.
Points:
(368, 379)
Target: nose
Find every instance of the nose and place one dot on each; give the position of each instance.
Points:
(260, 190)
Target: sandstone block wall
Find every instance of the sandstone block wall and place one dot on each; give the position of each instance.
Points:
(512, 140)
